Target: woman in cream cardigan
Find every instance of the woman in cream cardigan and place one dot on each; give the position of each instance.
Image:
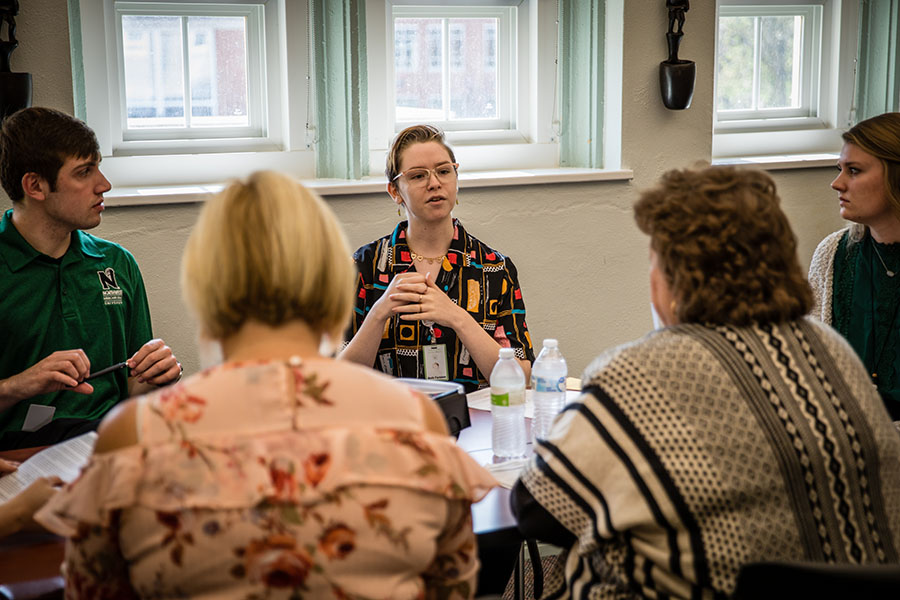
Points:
(855, 272)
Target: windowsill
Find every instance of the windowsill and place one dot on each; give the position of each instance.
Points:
(187, 194)
(781, 161)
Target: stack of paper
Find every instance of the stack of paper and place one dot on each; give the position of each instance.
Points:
(63, 460)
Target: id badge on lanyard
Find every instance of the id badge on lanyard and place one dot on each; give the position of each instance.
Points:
(435, 357)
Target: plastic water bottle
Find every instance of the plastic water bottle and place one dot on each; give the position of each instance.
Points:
(548, 382)
(508, 406)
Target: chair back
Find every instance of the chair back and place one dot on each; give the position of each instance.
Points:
(822, 581)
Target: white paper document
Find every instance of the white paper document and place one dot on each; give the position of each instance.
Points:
(63, 460)
(507, 472)
(481, 400)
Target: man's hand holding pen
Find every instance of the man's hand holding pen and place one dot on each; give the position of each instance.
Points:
(64, 369)
(154, 364)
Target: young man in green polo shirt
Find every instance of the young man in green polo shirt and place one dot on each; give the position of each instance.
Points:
(71, 303)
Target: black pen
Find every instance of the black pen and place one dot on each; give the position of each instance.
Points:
(114, 367)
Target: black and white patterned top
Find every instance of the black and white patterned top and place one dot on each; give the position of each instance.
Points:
(697, 449)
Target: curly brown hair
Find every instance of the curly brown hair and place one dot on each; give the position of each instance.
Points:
(725, 247)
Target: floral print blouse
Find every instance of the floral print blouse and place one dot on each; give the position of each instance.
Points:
(313, 479)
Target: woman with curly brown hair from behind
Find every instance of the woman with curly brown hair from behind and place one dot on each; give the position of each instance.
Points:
(743, 431)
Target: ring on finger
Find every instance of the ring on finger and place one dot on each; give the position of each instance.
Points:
(420, 298)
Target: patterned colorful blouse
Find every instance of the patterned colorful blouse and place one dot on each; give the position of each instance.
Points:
(473, 275)
(272, 480)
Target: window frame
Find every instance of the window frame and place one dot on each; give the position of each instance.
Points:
(811, 47)
(832, 109)
(103, 72)
(533, 142)
(255, 69)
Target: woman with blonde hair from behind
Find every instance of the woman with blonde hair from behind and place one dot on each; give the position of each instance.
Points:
(281, 472)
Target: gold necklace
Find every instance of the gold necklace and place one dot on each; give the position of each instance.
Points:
(878, 254)
(431, 260)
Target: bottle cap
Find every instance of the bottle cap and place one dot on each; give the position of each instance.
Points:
(507, 353)
(550, 343)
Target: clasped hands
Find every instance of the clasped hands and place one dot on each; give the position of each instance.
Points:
(153, 363)
(415, 297)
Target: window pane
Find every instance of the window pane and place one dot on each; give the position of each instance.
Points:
(779, 66)
(473, 85)
(734, 80)
(418, 87)
(218, 65)
(471, 50)
(154, 84)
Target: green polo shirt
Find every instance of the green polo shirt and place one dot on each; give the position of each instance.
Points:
(92, 298)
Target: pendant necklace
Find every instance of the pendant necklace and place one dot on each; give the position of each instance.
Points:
(883, 264)
(893, 311)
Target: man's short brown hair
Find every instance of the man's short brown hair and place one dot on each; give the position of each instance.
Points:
(725, 247)
(39, 140)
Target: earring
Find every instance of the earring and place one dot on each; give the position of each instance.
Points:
(673, 307)
(457, 200)
(398, 212)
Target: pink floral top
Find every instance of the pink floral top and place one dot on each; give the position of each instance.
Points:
(273, 480)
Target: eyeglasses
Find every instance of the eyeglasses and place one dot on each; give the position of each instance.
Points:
(445, 173)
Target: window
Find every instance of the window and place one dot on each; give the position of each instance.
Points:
(192, 76)
(509, 121)
(187, 76)
(784, 75)
(768, 60)
(474, 82)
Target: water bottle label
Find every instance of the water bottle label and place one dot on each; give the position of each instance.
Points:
(544, 384)
(510, 398)
(517, 397)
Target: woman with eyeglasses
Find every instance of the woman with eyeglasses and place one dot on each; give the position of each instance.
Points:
(434, 302)
(853, 272)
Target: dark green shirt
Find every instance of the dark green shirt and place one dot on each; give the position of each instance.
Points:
(865, 304)
(92, 298)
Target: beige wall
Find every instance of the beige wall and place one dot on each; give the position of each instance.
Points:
(581, 260)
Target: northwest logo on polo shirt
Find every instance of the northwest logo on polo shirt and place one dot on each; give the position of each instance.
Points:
(112, 294)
